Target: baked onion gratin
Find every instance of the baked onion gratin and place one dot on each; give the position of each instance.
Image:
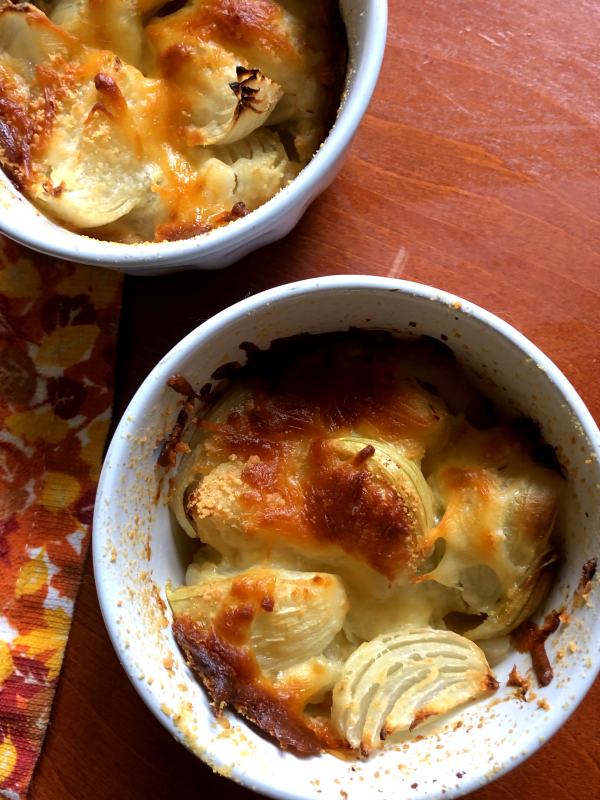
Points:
(370, 536)
(138, 120)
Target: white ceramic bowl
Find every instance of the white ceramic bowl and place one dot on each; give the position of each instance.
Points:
(138, 547)
(366, 26)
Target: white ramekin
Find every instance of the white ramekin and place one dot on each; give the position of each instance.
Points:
(366, 25)
(137, 547)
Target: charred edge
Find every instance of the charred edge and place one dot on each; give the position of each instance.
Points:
(13, 173)
(15, 140)
(541, 664)
(491, 684)
(243, 92)
(209, 657)
(267, 604)
(587, 573)
(179, 384)
(238, 211)
(420, 717)
(217, 676)
(168, 454)
(272, 362)
(107, 86)
(238, 88)
(363, 455)
(534, 639)
(244, 74)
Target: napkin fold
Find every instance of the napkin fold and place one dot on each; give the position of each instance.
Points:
(58, 328)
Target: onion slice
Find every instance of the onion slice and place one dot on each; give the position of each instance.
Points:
(397, 681)
(517, 606)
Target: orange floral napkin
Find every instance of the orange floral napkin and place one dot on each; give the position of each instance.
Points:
(58, 326)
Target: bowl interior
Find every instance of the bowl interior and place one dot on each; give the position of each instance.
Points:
(365, 22)
(138, 547)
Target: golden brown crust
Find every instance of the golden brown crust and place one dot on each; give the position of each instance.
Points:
(25, 127)
(232, 676)
(347, 507)
(308, 392)
(16, 132)
(242, 23)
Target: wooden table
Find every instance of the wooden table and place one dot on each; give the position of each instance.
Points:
(475, 170)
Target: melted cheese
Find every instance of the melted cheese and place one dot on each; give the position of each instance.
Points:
(346, 454)
(134, 132)
(274, 477)
(496, 508)
(297, 616)
(259, 639)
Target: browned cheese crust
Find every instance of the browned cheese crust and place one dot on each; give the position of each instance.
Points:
(220, 653)
(124, 108)
(316, 390)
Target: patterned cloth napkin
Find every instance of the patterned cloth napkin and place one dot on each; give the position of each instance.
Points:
(58, 326)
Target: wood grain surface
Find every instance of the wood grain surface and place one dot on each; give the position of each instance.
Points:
(474, 170)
